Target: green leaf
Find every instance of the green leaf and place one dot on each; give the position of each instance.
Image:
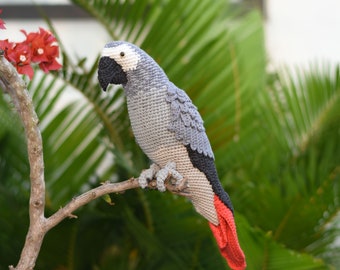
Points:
(275, 139)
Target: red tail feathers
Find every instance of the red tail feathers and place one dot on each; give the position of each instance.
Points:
(226, 236)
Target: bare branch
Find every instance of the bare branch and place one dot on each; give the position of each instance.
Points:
(16, 88)
(87, 197)
(105, 188)
(13, 84)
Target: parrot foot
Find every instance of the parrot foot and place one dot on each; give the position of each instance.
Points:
(182, 185)
(164, 178)
(147, 175)
(168, 171)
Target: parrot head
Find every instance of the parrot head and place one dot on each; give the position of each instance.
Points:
(117, 58)
(124, 63)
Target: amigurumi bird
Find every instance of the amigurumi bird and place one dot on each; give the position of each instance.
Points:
(170, 131)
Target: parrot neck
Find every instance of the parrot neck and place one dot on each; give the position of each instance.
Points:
(145, 78)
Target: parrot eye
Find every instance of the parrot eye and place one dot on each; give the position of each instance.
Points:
(122, 54)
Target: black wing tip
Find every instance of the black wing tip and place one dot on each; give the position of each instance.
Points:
(206, 165)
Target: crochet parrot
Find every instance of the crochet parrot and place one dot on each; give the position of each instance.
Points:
(170, 131)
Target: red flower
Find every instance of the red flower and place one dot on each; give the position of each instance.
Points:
(39, 47)
(20, 56)
(2, 23)
(5, 45)
(52, 52)
(43, 49)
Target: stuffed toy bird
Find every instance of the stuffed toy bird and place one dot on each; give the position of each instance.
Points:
(169, 129)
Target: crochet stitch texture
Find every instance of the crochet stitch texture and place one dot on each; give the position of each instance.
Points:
(169, 129)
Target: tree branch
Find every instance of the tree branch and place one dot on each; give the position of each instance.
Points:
(14, 85)
(105, 188)
(16, 88)
(88, 196)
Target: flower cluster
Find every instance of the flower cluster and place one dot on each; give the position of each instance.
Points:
(38, 47)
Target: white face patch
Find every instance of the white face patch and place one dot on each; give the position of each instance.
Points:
(124, 55)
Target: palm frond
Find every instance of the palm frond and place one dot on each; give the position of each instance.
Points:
(276, 145)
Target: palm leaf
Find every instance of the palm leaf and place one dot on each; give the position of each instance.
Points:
(275, 146)
(299, 176)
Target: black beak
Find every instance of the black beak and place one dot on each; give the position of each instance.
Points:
(110, 72)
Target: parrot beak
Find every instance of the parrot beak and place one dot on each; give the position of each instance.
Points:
(110, 72)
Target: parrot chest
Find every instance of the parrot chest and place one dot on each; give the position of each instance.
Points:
(150, 117)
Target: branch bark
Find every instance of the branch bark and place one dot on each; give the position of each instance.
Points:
(13, 84)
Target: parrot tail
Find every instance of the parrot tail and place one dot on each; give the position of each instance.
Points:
(226, 236)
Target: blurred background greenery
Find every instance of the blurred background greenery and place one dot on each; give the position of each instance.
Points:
(275, 136)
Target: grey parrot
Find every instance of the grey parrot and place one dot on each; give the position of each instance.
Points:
(169, 129)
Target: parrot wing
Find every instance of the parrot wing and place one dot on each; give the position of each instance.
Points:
(187, 123)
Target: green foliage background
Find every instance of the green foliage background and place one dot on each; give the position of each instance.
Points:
(275, 138)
